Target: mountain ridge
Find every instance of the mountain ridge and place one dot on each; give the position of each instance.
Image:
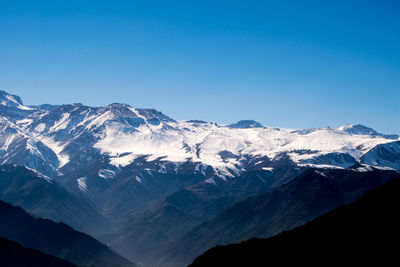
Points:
(142, 155)
(57, 239)
(13, 254)
(362, 232)
(311, 194)
(132, 165)
(44, 197)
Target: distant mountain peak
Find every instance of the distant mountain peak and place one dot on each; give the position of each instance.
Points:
(357, 129)
(122, 105)
(12, 105)
(47, 107)
(245, 124)
(150, 113)
(196, 121)
(7, 99)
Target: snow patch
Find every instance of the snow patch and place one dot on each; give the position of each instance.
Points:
(364, 168)
(82, 184)
(40, 127)
(321, 166)
(57, 148)
(61, 124)
(321, 173)
(122, 161)
(210, 181)
(267, 169)
(39, 174)
(384, 168)
(106, 173)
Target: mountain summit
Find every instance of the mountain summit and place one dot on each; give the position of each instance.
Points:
(246, 124)
(10, 100)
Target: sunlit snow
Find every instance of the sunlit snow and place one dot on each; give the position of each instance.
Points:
(186, 141)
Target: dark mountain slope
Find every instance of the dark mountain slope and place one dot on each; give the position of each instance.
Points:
(57, 239)
(311, 194)
(44, 197)
(12, 254)
(365, 232)
(147, 230)
(144, 232)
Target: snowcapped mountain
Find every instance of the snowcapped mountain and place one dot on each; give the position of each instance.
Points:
(384, 155)
(17, 146)
(12, 106)
(100, 151)
(8, 100)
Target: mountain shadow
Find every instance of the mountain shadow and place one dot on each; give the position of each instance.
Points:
(12, 254)
(56, 239)
(311, 194)
(361, 233)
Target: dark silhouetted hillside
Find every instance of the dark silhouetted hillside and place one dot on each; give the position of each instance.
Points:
(57, 239)
(361, 233)
(14, 255)
(309, 195)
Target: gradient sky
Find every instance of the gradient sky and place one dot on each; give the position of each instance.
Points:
(283, 63)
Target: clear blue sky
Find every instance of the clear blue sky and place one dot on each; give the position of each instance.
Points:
(284, 63)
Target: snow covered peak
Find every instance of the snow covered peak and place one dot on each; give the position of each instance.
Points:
(11, 101)
(7, 99)
(245, 124)
(154, 114)
(357, 129)
(126, 111)
(120, 134)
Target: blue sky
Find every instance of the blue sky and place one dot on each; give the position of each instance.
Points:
(284, 63)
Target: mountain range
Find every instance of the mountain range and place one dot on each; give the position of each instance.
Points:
(142, 154)
(161, 191)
